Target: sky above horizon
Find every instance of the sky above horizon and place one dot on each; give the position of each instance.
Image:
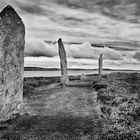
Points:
(112, 23)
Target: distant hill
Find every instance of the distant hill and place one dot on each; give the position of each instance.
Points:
(51, 69)
(72, 69)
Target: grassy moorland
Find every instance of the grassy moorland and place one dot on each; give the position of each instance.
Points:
(119, 96)
(108, 109)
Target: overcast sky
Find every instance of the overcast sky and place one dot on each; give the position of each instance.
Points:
(113, 22)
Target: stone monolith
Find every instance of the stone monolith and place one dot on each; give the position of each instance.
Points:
(63, 62)
(100, 64)
(12, 34)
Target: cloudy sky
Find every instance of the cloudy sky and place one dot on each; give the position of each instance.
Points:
(81, 24)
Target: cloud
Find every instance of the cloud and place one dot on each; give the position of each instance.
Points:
(137, 56)
(85, 50)
(35, 47)
(51, 19)
(111, 54)
(31, 9)
(58, 18)
(54, 62)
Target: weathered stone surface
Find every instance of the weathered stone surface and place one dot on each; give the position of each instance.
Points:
(100, 64)
(63, 62)
(12, 32)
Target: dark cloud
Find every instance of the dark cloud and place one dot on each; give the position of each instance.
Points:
(137, 56)
(50, 19)
(32, 9)
(128, 10)
(73, 19)
(118, 9)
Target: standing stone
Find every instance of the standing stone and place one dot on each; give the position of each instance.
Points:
(83, 77)
(63, 62)
(100, 64)
(12, 32)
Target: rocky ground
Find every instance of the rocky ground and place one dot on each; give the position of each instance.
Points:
(107, 109)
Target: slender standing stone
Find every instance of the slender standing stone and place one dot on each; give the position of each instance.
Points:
(63, 62)
(12, 34)
(100, 64)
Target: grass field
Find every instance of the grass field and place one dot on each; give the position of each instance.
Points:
(109, 109)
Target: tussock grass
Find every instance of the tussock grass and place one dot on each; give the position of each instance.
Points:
(119, 96)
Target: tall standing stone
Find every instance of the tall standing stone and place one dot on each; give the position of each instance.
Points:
(100, 64)
(63, 62)
(12, 34)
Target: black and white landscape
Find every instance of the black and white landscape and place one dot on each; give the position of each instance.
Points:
(81, 76)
